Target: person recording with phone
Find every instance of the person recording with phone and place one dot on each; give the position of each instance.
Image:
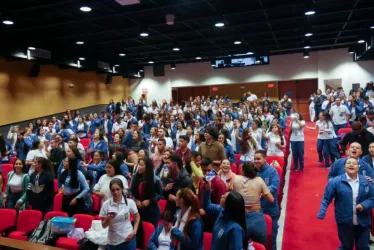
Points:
(297, 141)
(115, 214)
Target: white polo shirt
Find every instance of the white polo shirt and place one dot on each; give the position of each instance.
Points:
(355, 186)
(338, 114)
(120, 227)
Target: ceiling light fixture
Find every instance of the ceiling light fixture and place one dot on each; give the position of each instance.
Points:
(79, 42)
(140, 70)
(176, 49)
(219, 24)
(307, 46)
(361, 41)
(306, 54)
(198, 58)
(351, 51)
(372, 27)
(8, 22)
(31, 48)
(122, 54)
(310, 12)
(85, 8)
(249, 53)
(144, 34)
(309, 34)
(237, 42)
(213, 63)
(151, 62)
(82, 58)
(117, 65)
(173, 66)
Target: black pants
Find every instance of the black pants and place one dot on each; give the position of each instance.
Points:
(71, 210)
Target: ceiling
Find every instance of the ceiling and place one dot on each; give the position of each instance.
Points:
(268, 27)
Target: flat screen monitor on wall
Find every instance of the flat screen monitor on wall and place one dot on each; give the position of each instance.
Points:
(240, 61)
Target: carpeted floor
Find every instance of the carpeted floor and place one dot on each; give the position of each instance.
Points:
(302, 230)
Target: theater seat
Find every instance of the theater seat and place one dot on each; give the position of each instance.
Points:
(234, 168)
(162, 204)
(8, 218)
(279, 159)
(372, 222)
(344, 131)
(85, 142)
(52, 214)
(6, 169)
(269, 232)
(148, 230)
(83, 221)
(207, 240)
(12, 160)
(96, 204)
(55, 186)
(57, 202)
(27, 221)
(258, 246)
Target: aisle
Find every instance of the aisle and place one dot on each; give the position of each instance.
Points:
(302, 230)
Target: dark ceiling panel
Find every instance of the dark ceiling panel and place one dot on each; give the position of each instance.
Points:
(263, 26)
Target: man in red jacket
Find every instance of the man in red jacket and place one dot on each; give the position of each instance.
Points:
(217, 186)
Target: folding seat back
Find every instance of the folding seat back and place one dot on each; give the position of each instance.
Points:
(8, 218)
(57, 202)
(28, 220)
(96, 204)
(162, 204)
(269, 232)
(279, 159)
(207, 240)
(257, 246)
(52, 214)
(83, 221)
(148, 230)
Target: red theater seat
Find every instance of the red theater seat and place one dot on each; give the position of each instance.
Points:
(57, 202)
(85, 142)
(27, 221)
(237, 159)
(96, 204)
(162, 204)
(269, 232)
(6, 169)
(148, 230)
(344, 130)
(83, 221)
(55, 186)
(258, 246)
(52, 214)
(207, 240)
(234, 168)
(12, 160)
(279, 159)
(8, 218)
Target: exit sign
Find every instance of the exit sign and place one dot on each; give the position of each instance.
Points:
(214, 89)
(270, 85)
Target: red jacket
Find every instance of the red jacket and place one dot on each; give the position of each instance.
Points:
(218, 188)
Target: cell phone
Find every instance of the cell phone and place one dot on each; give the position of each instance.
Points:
(113, 214)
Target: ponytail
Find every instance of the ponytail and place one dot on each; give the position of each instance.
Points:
(190, 200)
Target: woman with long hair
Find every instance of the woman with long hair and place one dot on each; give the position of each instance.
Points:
(97, 165)
(112, 170)
(199, 138)
(146, 189)
(15, 194)
(74, 187)
(297, 141)
(230, 229)
(137, 141)
(252, 188)
(40, 192)
(228, 148)
(256, 131)
(275, 141)
(226, 175)
(248, 146)
(115, 213)
(193, 167)
(188, 228)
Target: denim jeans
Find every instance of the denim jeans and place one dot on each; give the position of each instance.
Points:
(330, 151)
(297, 148)
(131, 245)
(320, 144)
(337, 127)
(350, 235)
(150, 214)
(318, 110)
(12, 199)
(256, 227)
(275, 231)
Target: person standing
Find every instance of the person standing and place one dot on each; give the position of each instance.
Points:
(297, 141)
(318, 99)
(359, 134)
(354, 199)
(212, 149)
(339, 115)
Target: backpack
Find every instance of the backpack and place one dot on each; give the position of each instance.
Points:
(87, 203)
(43, 233)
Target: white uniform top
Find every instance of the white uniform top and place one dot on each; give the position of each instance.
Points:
(273, 149)
(121, 226)
(297, 131)
(338, 114)
(326, 130)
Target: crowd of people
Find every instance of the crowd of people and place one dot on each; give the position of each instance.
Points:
(139, 153)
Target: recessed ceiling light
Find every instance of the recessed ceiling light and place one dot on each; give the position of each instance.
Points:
(31, 48)
(220, 24)
(140, 70)
(144, 34)
(198, 58)
(237, 42)
(151, 62)
(8, 22)
(361, 41)
(122, 54)
(249, 53)
(176, 49)
(258, 61)
(173, 66)
(80, 42)
(307, 47)
(82, 58)
(306, 54)
(310, 12)
(309, 34)
(85, 9)
(372, 27)
(117, 65)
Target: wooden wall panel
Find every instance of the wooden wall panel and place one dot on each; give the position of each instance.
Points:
(23, 98)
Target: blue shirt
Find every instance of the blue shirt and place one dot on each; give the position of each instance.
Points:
(339, 189)
(83, 186)
(271, 178)
(337, 169)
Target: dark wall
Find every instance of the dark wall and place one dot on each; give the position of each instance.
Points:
(87, 110)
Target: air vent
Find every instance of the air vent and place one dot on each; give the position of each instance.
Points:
(40, 53)
(127, 2)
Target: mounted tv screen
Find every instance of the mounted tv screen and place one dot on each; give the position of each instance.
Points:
(240, 62)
